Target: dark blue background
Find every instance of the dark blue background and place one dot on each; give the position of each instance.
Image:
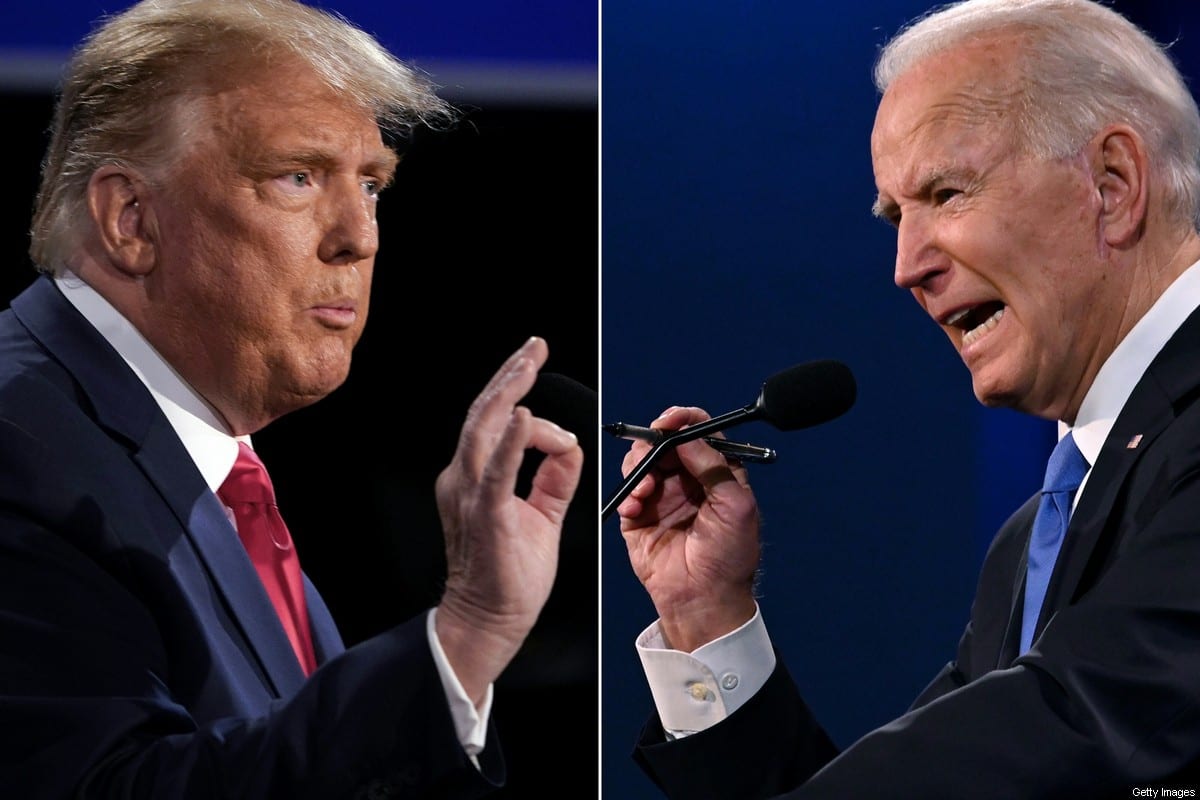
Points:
(737, 240)
(494, 30)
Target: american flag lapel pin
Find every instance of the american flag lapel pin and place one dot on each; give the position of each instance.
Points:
(1134, 442)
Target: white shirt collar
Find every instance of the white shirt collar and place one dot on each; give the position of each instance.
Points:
(1129, 361)
(201, 430)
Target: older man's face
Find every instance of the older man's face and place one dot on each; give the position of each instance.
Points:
(1001, 249)
(268, 243)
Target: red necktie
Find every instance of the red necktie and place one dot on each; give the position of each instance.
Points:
(249, 495)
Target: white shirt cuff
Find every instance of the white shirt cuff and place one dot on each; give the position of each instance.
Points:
(694, 691)
(470, 723)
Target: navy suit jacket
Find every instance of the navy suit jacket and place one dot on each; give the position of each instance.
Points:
(1107, 701)
(139, 653)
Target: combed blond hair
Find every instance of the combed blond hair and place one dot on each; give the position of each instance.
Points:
(128, 80)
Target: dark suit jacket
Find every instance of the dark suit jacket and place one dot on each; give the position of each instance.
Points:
(1108, 700)
(139, 654)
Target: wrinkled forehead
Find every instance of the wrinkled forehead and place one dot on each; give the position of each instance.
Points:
(969, 87)
(267, 119)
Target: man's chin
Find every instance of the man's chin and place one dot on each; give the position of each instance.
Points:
(312, 385)
(994, 394)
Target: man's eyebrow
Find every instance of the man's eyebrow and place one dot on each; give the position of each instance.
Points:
(938, 175)
(382, 163)
(885, 208)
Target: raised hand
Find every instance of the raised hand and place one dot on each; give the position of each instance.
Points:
(501, 549)
(691, 528)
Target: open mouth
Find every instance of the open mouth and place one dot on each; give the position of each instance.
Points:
(975, 322)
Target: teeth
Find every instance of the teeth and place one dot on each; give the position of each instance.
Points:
(982, 328)
(954, 319)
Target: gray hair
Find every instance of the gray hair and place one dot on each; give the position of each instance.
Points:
(1083, 66)
(134, 73)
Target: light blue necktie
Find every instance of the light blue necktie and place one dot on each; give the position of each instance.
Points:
(1064, 473)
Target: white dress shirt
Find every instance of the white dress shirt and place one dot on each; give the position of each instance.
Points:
(214, 450)
(693, 691)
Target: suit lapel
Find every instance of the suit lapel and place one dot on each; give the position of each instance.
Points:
(1090, 518)
(1010, 643)
(327, 641)
(1147, 413)
(125, 408)
(207, 527)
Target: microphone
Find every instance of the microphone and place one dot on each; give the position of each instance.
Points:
(572, 406)
(798, 397)
(564, 401)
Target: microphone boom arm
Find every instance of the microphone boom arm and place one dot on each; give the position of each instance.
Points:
(797, 397)
(671, 439)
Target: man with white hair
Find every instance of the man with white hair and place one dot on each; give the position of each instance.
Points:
(1038, 159)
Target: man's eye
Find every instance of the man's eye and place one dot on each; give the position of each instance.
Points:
(942, 196)
(372, 188)
(299, 179)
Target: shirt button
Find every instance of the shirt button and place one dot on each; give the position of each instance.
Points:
(699, 691)
(729, 681)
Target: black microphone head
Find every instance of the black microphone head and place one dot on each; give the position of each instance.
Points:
(807, 394)
(565, 402)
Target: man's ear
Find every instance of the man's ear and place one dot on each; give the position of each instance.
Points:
(1120, 167)
(124, 224)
